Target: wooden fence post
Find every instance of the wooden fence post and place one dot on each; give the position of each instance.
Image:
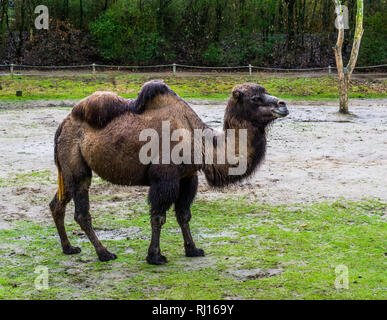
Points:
(250, 69)
(174, 68)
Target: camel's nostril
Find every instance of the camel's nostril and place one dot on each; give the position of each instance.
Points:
(281, 104)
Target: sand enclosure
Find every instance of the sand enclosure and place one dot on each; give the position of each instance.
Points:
(315, 154)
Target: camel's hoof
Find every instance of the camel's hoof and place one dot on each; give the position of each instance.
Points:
(71, 250)
(156, 259)
(106, 256)
(196, 252)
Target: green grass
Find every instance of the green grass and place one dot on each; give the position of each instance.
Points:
(243, 242)
(194, 86)
(20, 179)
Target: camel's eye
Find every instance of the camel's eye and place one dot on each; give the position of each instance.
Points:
(256, 99)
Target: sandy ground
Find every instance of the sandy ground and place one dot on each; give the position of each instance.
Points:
(315, 154)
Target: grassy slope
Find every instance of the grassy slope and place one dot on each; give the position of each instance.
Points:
(304, 243)
(194, 86)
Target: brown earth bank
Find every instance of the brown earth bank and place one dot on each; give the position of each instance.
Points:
(313, 155)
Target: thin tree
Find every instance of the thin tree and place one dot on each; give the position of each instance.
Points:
(3, 13)
(80, 15)
(346, 72)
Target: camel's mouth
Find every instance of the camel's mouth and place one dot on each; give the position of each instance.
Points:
(280, 112)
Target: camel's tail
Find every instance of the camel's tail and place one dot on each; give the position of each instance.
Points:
(60, 181)
(60, 175)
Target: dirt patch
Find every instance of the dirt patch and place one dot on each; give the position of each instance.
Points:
(315, 154)
(198, 264)
(114, 234)
(227, 234)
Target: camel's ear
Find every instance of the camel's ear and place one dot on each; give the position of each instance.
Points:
(237, 94)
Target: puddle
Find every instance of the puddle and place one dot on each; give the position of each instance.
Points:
(197, 263)
(115, 234)
(251, 274)
(224, 234)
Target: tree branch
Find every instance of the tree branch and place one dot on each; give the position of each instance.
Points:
(357, 38)
(340, 40)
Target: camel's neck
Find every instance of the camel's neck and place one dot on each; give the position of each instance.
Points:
(249, 151)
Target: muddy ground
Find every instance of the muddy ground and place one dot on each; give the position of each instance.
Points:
(313, 155)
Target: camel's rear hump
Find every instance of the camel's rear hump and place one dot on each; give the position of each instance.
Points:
(102, 107)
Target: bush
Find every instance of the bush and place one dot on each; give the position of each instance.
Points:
(60, 45)
(213, 56)
(373, 49)
(121, 37)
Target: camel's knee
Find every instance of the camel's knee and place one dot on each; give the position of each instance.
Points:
(81, 198)
(82, 219)
(183, 216)
(82, 215)
(53, 204)
(58, 207)
(158, 219)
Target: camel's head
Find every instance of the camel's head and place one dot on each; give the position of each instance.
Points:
(253, 103)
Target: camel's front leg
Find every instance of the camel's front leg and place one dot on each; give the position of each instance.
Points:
(187, 191)
(183, 218)
(164, 189)
(154, 251)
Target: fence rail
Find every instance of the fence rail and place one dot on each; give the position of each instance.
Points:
(174, 66)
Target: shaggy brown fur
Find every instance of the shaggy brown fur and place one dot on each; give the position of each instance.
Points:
(102, 135)
(102, 107)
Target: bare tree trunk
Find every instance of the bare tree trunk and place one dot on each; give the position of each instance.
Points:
(219, 7)
(66, 10)
(80, 15)
(280, 22)
(343, 92)
(9, 29)
(290, 6)
(313, 16)
(346, 72)
(4, 9)
(21, 29)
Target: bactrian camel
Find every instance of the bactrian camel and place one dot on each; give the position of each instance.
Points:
(101, 135)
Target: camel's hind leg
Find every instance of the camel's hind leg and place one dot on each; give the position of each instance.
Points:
(75, 176)
(187, 191)
(58, 208)
(80, 193)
